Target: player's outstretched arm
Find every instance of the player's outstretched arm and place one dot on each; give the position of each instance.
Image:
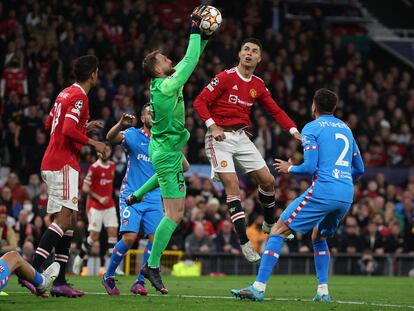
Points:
(310, 155)
(186, 66)
(114, 135)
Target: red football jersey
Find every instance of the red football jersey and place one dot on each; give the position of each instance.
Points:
(229, 97)
(15, 80)
(67, 121)
(100, 180)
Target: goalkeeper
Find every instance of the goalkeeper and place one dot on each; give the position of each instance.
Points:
(168, 136)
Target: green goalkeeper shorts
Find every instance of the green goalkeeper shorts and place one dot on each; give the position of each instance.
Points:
(169, 168)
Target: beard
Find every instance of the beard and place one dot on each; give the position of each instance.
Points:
(170, 71)
(148, 125)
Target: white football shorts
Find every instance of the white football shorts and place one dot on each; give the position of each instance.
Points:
(106, 217)
(235, 149)
(62, 189)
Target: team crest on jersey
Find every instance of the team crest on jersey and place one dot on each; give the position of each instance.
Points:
(75, 200)
(223, 163)
(79, 104)
(253, 93)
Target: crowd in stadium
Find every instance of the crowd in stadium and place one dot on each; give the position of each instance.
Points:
(36, 50)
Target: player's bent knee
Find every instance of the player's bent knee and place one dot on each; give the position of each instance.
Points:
(129, 238)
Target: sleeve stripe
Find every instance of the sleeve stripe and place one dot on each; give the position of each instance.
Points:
(72, 117)
(310, 148)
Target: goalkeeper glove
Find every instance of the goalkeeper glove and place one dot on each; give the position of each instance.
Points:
(195, 18)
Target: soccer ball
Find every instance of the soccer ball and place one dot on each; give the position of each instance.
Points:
(211, 20)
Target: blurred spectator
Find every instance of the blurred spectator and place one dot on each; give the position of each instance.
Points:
(19, 193)
(395, 241)
(198, 241)
(24, 229)
(373, 240)
(256, 235)
(8, 239)
(33, 187)
(13, 207)
(227, 240)
(367, 264)
(350, 240)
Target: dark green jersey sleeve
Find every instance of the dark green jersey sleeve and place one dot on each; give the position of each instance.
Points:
(184, 68)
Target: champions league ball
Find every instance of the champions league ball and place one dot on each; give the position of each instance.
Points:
(211, 20)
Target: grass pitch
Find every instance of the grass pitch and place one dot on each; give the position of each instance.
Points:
(212, 293)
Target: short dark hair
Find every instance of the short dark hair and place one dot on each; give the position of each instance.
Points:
(149, 62)
(84, 66)
(254, 41)
(325, 101)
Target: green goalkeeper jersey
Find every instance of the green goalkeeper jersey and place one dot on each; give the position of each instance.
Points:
(167, 107)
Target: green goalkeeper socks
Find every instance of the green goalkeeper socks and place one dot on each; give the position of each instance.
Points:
(161, 238)
(150, 185)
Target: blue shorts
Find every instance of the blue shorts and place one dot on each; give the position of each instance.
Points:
(4, 274)
(307, 212)
(149, 214)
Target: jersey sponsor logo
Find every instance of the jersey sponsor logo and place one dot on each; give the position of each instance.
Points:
(223, 163)
(336, 173)
(181, 187)
(235, 87)
(104, 182)
(144, 144)
(253, 93)
(125, 222)
(2, 268)
(79, 104)
(75, 200)
(233, 99)
(210, 88)
(143, 157)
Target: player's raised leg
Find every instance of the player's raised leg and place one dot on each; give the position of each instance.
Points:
(266, 196)
(237, 215)
(13, 262)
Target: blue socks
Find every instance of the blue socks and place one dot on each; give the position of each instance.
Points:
(118, 253)
(322, 257)
(38, 279)
(269, 258)
(145, 256)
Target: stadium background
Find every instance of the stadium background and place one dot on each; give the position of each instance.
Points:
(344, 45)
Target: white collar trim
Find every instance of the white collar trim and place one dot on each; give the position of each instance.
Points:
(77, 85)
(241, 76)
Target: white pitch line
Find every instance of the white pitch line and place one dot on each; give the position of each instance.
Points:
(387, 305)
